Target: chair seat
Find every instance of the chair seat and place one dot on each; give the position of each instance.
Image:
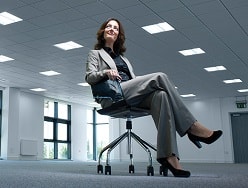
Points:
(121, 109)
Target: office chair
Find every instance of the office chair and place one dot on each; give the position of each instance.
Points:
(121, 109)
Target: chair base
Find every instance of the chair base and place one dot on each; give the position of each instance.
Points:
(129, 135)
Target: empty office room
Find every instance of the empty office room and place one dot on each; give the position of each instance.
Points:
(112, 93)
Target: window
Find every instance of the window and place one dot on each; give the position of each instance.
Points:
(57, 130)
(48, 130)
(97, 134)
(49, 108)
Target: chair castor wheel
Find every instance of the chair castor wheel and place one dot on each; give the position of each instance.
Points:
(150, 171)
(99, 169)
(131, 168)
(107, 170)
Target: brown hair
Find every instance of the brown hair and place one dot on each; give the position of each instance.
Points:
(119, 43)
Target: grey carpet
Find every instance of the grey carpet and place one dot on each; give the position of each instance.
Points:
(64, 174)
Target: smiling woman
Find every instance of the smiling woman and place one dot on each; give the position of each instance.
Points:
(153, 91)
(111, 32)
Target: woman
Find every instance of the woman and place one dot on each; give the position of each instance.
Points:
(155, 92)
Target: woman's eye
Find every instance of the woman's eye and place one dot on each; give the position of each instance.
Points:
(110, 26)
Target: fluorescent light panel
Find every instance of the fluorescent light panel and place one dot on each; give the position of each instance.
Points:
(188, 95)
(50, 73)
(243, 90)
(5, 58)
(158, 28)
(38, 89)
(7, 18)
(232, 81)
(68, 45)
(213, 69)
(193, 51)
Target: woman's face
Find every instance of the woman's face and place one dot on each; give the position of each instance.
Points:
(111, 31)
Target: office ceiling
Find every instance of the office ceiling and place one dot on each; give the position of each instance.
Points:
(219, 27)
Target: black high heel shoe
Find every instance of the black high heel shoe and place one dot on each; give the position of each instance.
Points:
(209, 140)
(176, 172)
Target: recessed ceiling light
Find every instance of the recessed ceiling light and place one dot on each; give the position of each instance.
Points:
(217, 68)
(50, 73)
(7, 18)
(68, 45)
(193, 51)
(243, 90)
(188, 95)
(158, 28)
(83, 84)
(38, 89)
(232, 81)
(5, 58)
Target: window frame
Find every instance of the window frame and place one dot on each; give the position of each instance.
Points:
(55, 120)
(95, 124)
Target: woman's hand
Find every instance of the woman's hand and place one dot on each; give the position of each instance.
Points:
(113, 74)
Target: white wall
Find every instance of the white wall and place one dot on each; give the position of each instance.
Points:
(213, 113)
(78, 132)
(31, 121)
(208, 112)
(9, 123)
(23, 119)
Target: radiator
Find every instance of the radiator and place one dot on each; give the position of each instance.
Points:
(29, 147)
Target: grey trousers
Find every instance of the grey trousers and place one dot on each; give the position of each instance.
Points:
(156, 92)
